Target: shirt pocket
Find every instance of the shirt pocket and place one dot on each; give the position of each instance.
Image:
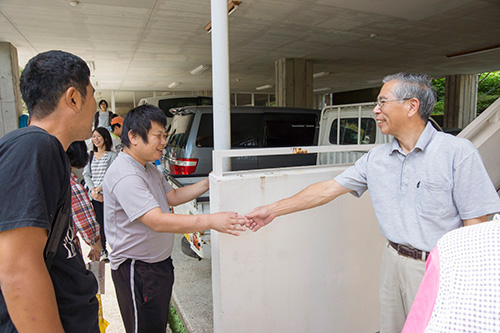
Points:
(434, 198)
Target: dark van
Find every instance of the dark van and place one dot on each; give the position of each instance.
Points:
(190, 138)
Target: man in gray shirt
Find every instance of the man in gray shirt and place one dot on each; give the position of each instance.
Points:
(139, 226)
(422, 185)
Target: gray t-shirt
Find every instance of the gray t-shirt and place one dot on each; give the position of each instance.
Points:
(419, 196)
(130, 191)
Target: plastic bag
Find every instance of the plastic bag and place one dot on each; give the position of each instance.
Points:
(103, 323)
(98, 268)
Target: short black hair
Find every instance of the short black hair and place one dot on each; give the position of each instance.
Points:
(138, 121)
(78, 155)
(47, 76)
(103, 101)
(114, 126)
(108, 142)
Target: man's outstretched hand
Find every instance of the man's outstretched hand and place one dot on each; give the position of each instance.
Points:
(228, 222)
(259, 217)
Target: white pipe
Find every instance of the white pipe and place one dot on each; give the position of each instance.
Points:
(113, 101)
(359, 126)
(220, 78)
(222, 154)
(338, 126)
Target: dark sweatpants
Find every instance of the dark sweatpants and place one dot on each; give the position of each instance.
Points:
(146, 308)
(99, 216)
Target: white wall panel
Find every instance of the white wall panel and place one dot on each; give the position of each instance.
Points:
(313, 271)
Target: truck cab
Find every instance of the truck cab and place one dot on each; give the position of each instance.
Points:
(348, 124)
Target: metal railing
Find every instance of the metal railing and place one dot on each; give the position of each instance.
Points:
(219, 155)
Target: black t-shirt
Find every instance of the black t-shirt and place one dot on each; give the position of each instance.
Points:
(34, 179)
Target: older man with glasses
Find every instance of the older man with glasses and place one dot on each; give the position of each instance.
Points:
(422, 184)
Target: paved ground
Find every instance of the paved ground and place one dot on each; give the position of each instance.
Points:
(110, 308)
(192, 294)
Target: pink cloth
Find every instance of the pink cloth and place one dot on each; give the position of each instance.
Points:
(423, 305)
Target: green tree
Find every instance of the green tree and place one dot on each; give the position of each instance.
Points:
(438, 85)
(488, 91)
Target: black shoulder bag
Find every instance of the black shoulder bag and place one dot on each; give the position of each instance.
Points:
(59, 226)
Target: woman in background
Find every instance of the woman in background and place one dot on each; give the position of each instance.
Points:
(101, 158)
(102, 117)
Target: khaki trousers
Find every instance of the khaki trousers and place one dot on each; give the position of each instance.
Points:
(400, 279)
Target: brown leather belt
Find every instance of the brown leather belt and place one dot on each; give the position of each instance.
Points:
(409, 251)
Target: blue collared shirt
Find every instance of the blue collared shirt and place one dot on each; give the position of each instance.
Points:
(419, 196)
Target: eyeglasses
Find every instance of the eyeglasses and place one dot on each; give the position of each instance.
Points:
(381, 102)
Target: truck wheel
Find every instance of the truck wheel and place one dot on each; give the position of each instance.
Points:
(186, 249)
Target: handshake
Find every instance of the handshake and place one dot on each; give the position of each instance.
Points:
(232, 223)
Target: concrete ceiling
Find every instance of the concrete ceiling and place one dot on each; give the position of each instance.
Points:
(144, 45)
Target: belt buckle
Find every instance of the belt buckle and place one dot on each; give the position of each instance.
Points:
(408, 251)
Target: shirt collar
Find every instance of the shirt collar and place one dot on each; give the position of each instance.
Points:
(134, 160)
(74, 177)
(424, 139)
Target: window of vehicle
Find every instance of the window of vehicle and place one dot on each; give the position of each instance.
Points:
(349, 131)
(205, 101)
(288, 130)
(179, 130)
(169, 103)
(261, 99)
(243, 99)
(244, 130)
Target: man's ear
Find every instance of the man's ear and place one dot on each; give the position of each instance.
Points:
(133, 137)
(414, 106)
(73, 99)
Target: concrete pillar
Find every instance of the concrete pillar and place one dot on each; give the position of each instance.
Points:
(294, 82)
(10, 94)
(220, 78)
(460, 100)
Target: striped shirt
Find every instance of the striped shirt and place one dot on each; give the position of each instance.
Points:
(99, 167)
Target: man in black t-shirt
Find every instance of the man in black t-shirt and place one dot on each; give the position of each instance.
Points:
(45, 288)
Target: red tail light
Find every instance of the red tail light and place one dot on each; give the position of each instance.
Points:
(182, 166)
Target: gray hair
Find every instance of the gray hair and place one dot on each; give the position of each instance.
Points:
(415, 85)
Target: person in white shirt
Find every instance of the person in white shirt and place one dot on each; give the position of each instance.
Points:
(116, 133)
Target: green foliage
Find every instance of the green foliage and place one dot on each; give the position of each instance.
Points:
(484, 101)
(438, 108)
(439, 85)
(488, 91)
(175, 321)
